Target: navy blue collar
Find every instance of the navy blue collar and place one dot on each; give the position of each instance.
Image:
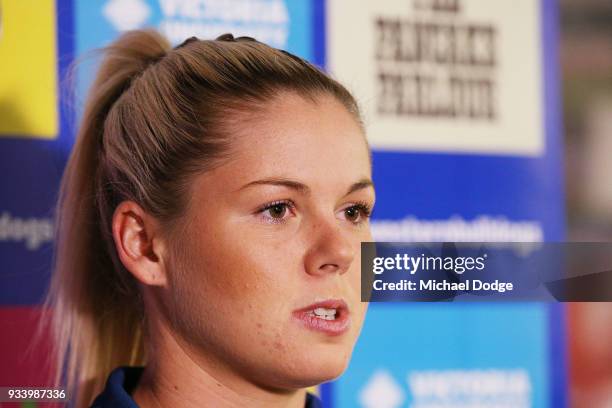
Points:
(123, 380)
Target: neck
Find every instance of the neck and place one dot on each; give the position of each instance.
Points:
(174, 377)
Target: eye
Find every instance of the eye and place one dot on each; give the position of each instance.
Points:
(358, 212)
(277, 211)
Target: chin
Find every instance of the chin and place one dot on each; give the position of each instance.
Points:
(318, 367)
(328, 372)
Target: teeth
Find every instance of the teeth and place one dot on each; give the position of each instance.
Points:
(323, 313)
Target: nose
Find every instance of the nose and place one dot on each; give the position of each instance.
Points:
(331, 249)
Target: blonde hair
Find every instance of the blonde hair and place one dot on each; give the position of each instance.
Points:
(155, 116)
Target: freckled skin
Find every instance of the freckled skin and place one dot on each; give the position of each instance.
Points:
(240, 274)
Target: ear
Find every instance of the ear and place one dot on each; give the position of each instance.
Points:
(139, 244)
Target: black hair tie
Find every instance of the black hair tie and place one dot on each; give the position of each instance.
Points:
(230, 38)
(187, 41)
(226, 37)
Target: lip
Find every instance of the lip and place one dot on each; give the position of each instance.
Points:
(335, 327)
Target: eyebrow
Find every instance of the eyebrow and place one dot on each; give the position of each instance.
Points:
(303, 188)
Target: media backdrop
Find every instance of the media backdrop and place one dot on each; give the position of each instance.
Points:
(461, 101)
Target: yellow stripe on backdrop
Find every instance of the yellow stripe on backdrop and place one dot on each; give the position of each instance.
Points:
(28, 69)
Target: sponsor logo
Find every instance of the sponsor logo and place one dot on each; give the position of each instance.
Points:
(31, 232)
(382, 391)
(126, 14)
(266, 20)
(484, 228)
(281, 24)
(443, 75)
(470, 388)
(446, 388)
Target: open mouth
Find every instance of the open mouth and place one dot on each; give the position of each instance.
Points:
(324, 313)
(330, 316)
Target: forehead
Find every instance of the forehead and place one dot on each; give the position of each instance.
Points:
(295, 136)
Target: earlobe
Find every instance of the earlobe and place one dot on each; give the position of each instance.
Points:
(138, 243)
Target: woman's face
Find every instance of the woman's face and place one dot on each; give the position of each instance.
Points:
(266, 277)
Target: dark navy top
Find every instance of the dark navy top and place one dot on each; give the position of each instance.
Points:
(123, 380)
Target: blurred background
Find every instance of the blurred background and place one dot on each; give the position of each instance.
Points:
(489, 121)
(586, 68)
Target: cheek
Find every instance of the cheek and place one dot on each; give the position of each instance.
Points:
(225, 296)
(233, 273)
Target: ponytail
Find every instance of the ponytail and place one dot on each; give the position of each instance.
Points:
(96, 319)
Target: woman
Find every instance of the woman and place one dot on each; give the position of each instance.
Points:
(209, 228)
